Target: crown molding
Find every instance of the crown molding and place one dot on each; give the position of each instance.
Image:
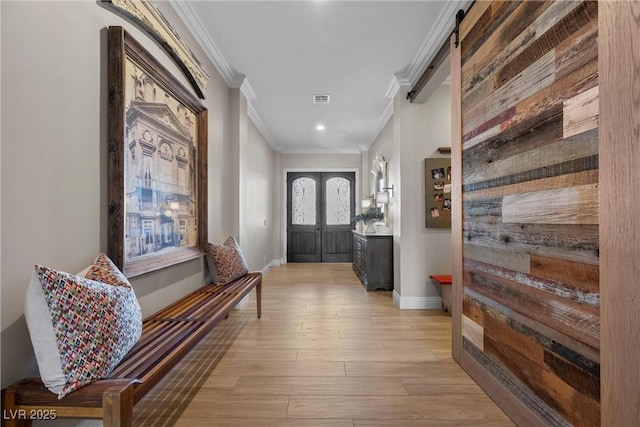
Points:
(247, 90)
(386, 116)
(255, 118)
(445, 22)
(397, 81)
(194, 25)
(363, 148)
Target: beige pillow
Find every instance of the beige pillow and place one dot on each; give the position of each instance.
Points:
(226, 262)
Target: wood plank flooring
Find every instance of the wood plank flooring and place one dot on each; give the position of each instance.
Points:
(325, 353)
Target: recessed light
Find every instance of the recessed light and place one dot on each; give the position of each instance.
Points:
(320, 127)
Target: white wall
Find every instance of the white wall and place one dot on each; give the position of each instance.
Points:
(54, 177)
(320, 161)
(258, 225)
(414, 133)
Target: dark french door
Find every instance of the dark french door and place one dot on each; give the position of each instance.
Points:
(320, 206)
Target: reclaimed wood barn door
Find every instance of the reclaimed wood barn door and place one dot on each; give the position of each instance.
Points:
(526, 244)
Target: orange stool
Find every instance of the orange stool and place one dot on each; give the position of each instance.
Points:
(445, 284)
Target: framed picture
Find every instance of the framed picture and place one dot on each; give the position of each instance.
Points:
(437, 192)
(157, 132)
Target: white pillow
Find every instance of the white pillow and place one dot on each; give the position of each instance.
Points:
(43, 336)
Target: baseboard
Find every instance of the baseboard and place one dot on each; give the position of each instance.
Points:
(273, 263)
(417, 303)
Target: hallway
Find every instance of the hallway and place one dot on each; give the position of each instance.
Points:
(325, 353)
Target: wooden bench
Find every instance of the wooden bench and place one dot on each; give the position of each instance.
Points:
(166, 337)
(445, 284)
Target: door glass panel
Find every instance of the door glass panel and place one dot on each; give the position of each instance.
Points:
(338, 206)
(303, 201)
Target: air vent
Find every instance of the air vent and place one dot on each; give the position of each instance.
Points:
(321, 99)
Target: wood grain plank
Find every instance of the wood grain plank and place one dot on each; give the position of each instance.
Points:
(475, 21)
(577, 274)
(584, 13)
(513, 20)
(388, 407)
(443, 369)
(570, 205)
(577, 408)
(489, 134)
(583, 381)
(515, 261)
(578, 243)
(499, 327)
(572, 148)
(374, 355)
(473, 331)
(442, 389)
(554, 182)
(322, 386)
(531, 133)
(573, 319)
(574, 293)
(188, 421)
(534, 78)
(618, 39)
(483, 207)
(525, 407)
(481, 81)
(278, 368)
(577, 50)
(456, 198)
(561, 344)
(580, 113)
(555, 170)
(559, 91)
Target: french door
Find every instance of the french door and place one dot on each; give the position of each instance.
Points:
(320, 206)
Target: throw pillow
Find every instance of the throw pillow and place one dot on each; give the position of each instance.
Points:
(227, 261)
(80, 328)
(105, 271)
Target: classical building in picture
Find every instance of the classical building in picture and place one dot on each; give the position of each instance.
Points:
(160, 166)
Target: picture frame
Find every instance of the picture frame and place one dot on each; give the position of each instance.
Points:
(157, 164)
(148, 17)
(437, 172)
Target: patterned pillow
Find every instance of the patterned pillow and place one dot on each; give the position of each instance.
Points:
(105, 271)
(80, 328)
(226, 260)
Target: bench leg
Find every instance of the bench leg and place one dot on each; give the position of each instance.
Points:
(259, 298)
(11, 417)
(117, 407)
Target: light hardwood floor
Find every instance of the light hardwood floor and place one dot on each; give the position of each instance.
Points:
(325, 353)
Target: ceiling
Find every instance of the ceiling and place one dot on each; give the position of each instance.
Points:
(281, 53)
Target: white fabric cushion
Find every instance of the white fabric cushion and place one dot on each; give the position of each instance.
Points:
(43, 336)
